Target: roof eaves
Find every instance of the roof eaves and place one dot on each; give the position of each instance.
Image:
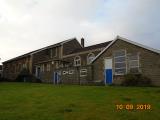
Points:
(126, 40)
(68, 40)
(39, 50)
(104, 50)
(138, 44)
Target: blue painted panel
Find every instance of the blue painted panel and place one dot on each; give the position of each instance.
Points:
(108, 76)
(56, 78)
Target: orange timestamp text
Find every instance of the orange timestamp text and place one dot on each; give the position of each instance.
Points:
(133, 107)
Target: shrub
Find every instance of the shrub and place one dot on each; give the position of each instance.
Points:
(136, 80)
(25, 76)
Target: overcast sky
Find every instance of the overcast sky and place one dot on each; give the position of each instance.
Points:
(26, 25)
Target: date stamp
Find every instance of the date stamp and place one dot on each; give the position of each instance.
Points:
(133, 107)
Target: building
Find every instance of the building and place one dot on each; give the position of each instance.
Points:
(40, 63)
(70, 62)
(0, 71)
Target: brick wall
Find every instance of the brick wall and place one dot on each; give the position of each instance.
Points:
(149, 62)
(76, 75)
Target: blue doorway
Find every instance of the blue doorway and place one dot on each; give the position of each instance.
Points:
(108, 71)
(56, 78)
(108, 76)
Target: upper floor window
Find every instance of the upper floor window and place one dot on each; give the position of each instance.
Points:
(120, 62)
(90, 58)
(53, 52)
(77, 61)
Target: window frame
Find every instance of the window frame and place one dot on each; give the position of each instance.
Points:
(88, 62)
(125, 67)
(42, 68)
(48, 67)
(83, 71)
(137, 60)
(65, 72)
(77, 60)
(51, 52)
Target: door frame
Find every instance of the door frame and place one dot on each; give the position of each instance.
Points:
(105, 76)
(56, 78)
(38, 71)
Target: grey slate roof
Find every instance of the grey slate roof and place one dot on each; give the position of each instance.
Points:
(92, 47)
(32, 52)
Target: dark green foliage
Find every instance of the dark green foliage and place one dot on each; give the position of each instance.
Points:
(25, 76)
(136, 80)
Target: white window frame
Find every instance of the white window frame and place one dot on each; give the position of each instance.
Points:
(138, 61)
(120, 62)
(77, 60)
(88, 56)
(83, 71)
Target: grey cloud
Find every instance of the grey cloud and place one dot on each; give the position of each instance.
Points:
(29, 24)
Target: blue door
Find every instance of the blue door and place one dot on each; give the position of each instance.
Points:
(108, 71)
(109, 76)
(56, 78)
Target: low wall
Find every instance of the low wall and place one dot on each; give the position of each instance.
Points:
(76, 75)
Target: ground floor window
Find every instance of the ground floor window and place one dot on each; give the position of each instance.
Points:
(71, 72)
(126, 63)
(42, 68)
(133, 63)
(83, 72)
(120, 62)
(48, 67)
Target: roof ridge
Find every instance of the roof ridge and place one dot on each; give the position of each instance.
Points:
(129, 41)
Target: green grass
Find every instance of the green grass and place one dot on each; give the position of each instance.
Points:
(28, 101)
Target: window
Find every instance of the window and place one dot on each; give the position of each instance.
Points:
(57, 65)
(71, 72)
(54, 52)
(24, 65)
(120, 62)
(133, 63)
(90, 58)
(48, 67)
(42, 68)
(77, 61)
(65, 72)
(51, 53)
(83, 72)
(20, 67)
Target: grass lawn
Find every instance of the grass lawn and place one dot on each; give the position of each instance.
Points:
(29, 101)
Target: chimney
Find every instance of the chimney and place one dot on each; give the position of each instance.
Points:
(82, 42)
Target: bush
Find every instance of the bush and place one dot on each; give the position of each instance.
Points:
(25, 76)
(136, 80)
